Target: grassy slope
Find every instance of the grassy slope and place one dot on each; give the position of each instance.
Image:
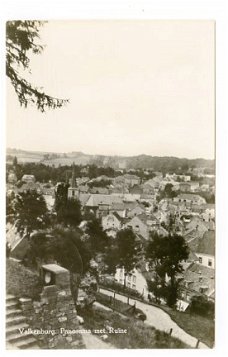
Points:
(198, 326)
(139, 336)
(22, 282)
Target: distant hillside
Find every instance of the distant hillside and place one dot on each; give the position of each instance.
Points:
(155, 163)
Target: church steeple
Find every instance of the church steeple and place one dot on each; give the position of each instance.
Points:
(73, 183)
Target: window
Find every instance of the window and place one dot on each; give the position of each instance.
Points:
(209, 262)
(73, 192)
(200, 260)
(134, 279)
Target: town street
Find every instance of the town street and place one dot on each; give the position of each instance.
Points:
(159, 319)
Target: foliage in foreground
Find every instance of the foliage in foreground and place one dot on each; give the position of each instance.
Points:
(28, 210)
(21, 40)
(139, 336)
(165, 256)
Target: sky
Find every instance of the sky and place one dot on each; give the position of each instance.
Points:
(135, 87)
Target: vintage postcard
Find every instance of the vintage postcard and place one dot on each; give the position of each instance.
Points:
(110, 184)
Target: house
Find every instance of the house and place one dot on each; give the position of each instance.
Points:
(118, 207)
(50, 201)
(147, 198)
(136, 189)
(139, 225)
(194, 230)
(12, 178)
(165, 181)
(128, 197)
(137, 210)
(28, 178)
(83, 198)
(82, 180)
(83, 189)
(158, 174)
(175, 177)
(206, 250)
(154, 182)
(147, 189)
(199, 277)
(143, 224)
(189, 198)
(118, 190)
(196, 280)
(100, 190)
(134, 280)
(191, 186)
(127, 180)
(131, 180)
(112, 221)
(98, 203)
(161, 231)
(198, 223)
(75, 192)
(208, 213)
(30, 186)
(205, 188)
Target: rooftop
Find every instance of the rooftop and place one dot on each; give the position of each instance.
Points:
(207, 243)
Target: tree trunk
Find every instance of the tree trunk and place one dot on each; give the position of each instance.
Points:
(75, 279)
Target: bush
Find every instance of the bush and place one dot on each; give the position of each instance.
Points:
(201, 306)
(111, 284)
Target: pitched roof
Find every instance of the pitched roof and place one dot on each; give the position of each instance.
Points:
(199, 276)
(83, 198)
(189, 196)
(97, 199)
(118, 206)
(100, 190)
(131, 177)
(207, 243)
(117, 216)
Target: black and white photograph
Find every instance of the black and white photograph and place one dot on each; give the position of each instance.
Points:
(110, 184)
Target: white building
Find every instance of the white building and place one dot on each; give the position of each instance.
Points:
(135, 280)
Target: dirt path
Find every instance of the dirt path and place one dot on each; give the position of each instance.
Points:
(159, 319)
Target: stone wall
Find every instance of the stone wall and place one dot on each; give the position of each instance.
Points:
(53, 314)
